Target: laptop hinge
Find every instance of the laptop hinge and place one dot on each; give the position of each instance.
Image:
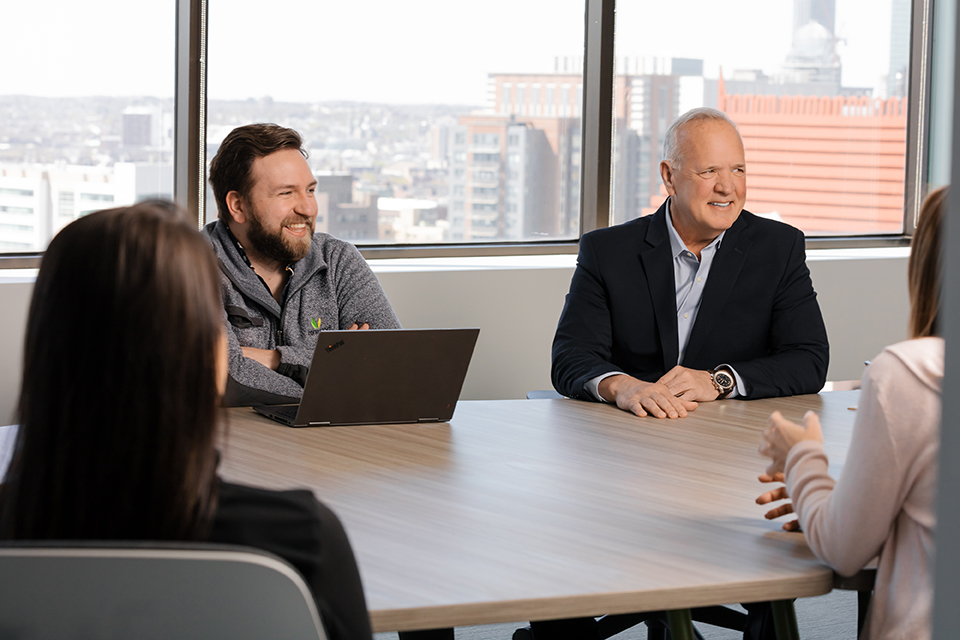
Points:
(320, 424)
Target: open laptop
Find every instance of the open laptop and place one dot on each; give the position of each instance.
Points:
(381, 376)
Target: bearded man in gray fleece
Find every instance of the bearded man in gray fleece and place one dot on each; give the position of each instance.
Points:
(281, 284)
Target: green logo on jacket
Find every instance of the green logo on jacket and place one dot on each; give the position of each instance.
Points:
(315, 323)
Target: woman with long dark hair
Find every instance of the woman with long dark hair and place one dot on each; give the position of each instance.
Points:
(119, 411)
(882, 504)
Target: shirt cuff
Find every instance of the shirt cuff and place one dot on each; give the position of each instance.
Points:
(741, 388)
(592, 386)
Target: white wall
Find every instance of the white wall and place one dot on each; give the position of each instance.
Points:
(14, 301)
(516, 303)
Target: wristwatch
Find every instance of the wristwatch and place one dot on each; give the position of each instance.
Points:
(722, 381)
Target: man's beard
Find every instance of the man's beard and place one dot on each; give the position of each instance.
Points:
(274, 246)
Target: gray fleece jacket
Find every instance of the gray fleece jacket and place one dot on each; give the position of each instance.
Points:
(331, 288)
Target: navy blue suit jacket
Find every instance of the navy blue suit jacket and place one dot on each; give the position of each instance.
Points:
(759, 312)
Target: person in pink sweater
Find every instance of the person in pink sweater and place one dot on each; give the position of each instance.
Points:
(883, 503)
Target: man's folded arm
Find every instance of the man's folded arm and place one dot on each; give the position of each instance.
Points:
(249, 376)
(582, 344)
(798, 352)
(360, 298)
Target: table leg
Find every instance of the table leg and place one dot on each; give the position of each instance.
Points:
(785, 620)
(681, 624)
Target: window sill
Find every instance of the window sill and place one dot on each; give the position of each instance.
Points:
(548, 261)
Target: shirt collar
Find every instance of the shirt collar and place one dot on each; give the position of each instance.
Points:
(677, 246)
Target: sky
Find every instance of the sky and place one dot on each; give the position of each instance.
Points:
(417, 51)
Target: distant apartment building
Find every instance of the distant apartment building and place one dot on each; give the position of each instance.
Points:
(504, 175)
(650, 94)
(339, 215)
(411, 221)
(899, 68)
(38, 201)
(24, 208)
(514, 173)
(143, 127)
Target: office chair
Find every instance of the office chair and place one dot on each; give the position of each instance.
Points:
(152, 590)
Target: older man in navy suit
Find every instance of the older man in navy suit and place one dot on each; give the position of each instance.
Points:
(700, 301)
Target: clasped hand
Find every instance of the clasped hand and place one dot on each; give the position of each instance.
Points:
(672, 396)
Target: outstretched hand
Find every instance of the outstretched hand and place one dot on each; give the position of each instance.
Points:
(780, 435)
(776, 495)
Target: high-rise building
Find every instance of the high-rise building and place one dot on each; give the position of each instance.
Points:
(143, 127)
(899, 67)
(24, 208)
(339, 215)
(823, 12)
(36, 202)
(502, 181)
(813, 57)
(650, 93)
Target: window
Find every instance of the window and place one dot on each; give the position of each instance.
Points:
(105, 128)
(26, 193)
(80, 117)
(97, 197)
(819, 93)
(362, 119)
(486, 140)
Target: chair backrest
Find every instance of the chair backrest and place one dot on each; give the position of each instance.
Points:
(544, 394)
(158, 591)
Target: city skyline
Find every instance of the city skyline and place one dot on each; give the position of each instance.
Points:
(504, 169)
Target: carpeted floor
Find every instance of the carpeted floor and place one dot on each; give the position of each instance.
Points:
(829, 617)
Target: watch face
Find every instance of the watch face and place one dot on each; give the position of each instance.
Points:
(724, 379)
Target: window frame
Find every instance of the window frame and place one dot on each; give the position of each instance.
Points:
(597, 130)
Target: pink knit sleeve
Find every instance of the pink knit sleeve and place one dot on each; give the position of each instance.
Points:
(846, 522)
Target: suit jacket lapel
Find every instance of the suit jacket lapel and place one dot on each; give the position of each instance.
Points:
(658, 268)
(723, 276)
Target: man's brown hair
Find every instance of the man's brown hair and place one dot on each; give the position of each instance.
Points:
(230, 169)
(924, 269)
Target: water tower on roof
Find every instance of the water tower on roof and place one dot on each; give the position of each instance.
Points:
(813, 57)
(823, 12)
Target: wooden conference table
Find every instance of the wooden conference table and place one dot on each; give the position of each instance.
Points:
(539, 509)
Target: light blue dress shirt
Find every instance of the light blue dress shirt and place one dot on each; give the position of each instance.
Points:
(690, 277)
